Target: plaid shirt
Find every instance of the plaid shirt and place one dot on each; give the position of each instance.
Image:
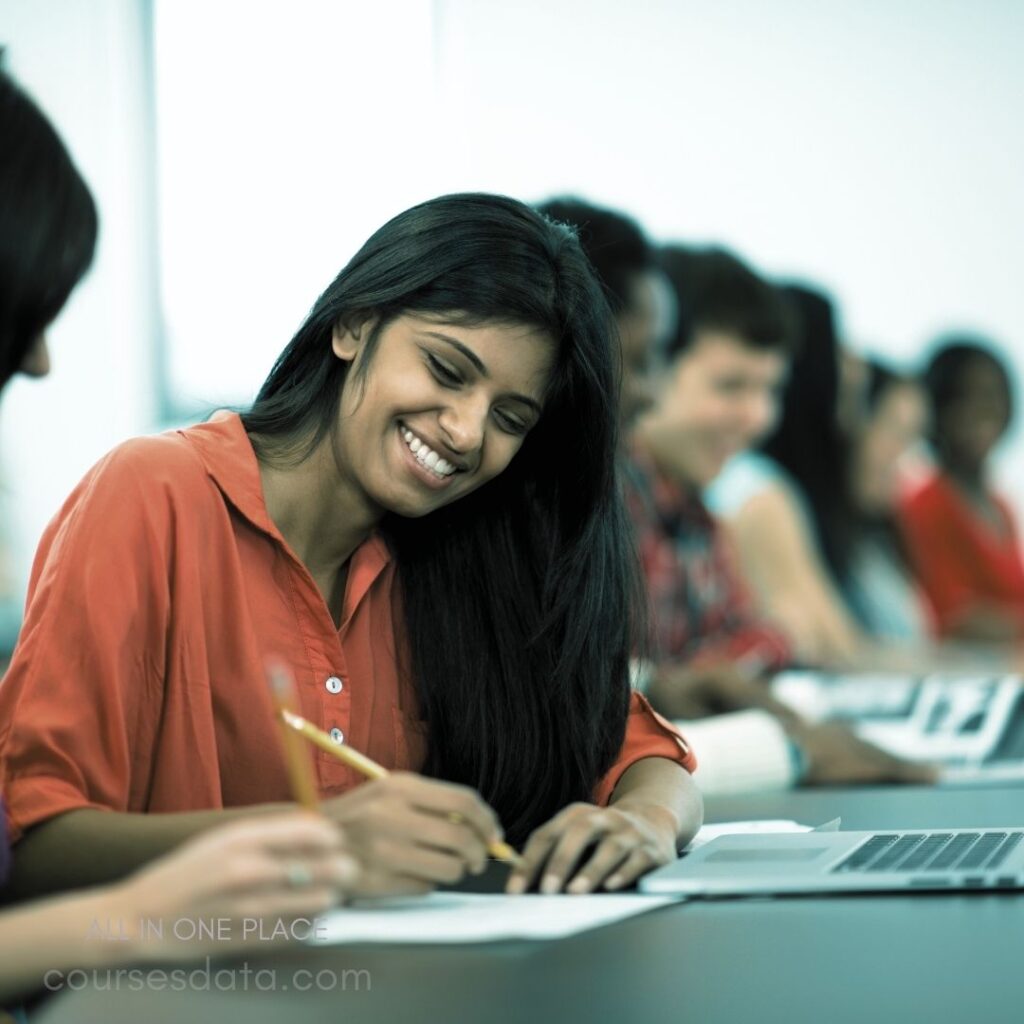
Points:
(700, 608)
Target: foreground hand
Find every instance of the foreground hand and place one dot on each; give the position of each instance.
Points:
(210, 894)
(411, 833)
(690, 693)
(835, 756)
(629, 843)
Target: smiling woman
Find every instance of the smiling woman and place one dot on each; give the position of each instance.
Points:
(420, 514)
(435, 398)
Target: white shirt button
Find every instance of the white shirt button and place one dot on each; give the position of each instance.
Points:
(334, 684)
(338, 736)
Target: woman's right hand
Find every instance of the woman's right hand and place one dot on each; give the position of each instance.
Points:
(411, 833)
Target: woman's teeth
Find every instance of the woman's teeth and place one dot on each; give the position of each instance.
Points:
(426, 456)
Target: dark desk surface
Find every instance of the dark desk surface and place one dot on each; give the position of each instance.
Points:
(920, 958)
(883, 807)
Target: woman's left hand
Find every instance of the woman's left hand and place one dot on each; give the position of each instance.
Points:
(630, 841)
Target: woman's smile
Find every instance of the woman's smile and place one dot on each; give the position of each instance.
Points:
(426, 464)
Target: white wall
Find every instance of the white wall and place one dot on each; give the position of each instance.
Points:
(288, 132)
(873, 145)
(877, 145)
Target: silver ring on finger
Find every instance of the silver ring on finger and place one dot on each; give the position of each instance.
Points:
(298, 875)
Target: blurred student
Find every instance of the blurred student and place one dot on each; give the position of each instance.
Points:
(962, 535)
(746, 740)
(641, 299)
(788, 504)
(879, 584)
(285, 865)
(727, 362)
(636, 288)
(724, 364)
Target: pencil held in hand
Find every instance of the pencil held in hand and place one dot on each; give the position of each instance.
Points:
(361, 763)
(351, 757)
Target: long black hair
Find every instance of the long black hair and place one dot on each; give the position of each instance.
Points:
(516, 599)
(614, 244)
(809, 442)
(48, 225)
(884, 526)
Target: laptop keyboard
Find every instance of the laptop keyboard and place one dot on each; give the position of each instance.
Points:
(931, 851)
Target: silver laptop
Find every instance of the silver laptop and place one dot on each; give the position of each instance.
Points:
(834, 862)
(971, 725)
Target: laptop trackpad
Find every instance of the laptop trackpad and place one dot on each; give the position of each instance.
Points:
(765, 855)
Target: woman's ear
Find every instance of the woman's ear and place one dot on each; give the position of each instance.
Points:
(344, 342)
(349, 337)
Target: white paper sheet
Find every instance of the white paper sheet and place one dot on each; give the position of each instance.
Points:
(448, 917)
(731, 828)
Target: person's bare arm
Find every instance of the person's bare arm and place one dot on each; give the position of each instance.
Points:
(779, 558)
(986, 623)
(661, 787)
(682, 691)
(48, 938)
(236, 874)
(91, 847)
(399, 828)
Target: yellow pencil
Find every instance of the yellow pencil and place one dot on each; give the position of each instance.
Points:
(372, 770)
(297, 759)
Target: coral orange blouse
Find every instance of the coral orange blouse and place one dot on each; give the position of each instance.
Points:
(157, 592)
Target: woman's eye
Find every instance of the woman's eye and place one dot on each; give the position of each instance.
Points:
(511, 424)
(443, 372)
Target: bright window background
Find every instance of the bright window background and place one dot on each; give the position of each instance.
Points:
(242, 151)
(876, 147)
(85, 61)
(287, 133)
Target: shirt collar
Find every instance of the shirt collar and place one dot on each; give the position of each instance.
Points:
(227, 453)
(230, 460)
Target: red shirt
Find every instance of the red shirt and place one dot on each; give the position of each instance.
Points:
(960, 560)
(157, 592)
